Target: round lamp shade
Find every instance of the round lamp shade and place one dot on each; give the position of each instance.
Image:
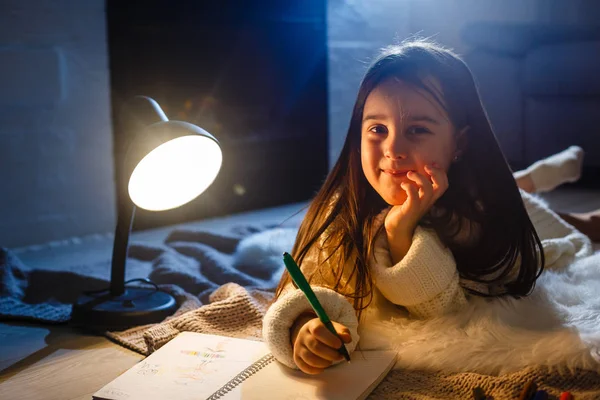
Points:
(175, 172)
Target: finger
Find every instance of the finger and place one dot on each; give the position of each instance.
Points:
(322, 350)
(424, 184)
(412, 195)
(312, 359)
(438, 176)
(439, 180)
(324, 335)
(346, 337)
(307, 369)
(343, 332)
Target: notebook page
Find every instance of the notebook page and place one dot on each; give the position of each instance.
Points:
(190, 366)
(343, 381)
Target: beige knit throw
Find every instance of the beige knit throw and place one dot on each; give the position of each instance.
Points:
(235, 311)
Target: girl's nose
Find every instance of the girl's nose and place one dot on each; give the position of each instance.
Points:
(395, 148)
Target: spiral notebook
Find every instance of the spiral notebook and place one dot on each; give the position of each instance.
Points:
(201, 366)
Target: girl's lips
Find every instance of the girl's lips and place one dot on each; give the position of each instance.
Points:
(395, 172)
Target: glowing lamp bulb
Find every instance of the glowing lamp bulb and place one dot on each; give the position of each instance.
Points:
(175, 173)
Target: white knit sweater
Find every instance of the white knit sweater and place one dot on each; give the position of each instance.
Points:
(425, 282)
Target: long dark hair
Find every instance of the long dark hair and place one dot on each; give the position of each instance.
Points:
(482, 190)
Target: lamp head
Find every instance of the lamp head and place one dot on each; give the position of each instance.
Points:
(168, 163)
(181, 161)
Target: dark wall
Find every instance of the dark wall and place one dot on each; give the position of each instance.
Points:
(55, 134)
(253, 73)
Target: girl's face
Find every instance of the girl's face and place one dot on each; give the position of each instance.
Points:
(403, 129)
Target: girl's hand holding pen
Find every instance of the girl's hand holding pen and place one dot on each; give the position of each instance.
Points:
(315, 347)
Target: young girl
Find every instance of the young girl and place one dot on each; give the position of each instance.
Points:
(419, 212)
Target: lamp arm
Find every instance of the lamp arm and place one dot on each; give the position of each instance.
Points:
(138, 113)
(120, 247)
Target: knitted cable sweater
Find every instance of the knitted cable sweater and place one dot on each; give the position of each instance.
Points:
(425, 283)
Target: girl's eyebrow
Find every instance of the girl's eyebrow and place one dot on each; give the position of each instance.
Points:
(374, 117)
(423, 118)
(412, 118)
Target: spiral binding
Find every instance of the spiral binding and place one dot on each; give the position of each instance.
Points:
(242, 376)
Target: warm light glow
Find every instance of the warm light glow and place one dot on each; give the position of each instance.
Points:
(175, 173)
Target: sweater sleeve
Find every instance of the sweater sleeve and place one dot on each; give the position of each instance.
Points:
(281, 316)
(562, 243)
(292, 302)
(425, 281)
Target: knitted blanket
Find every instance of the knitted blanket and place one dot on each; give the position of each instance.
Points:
(190, 265)
(237, 312)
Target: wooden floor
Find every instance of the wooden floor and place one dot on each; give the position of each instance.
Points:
(54, 362)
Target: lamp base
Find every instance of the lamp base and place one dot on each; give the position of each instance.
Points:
(102, 311)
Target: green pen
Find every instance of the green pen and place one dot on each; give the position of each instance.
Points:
(303, 285)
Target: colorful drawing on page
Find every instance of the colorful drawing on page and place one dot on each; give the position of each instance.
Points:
(196, 374)
(200, 370)
(208, 353)
(219, 351)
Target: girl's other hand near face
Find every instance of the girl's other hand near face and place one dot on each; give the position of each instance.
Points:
(422, 192)
(315, 347)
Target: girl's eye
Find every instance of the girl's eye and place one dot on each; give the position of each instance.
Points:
(379, 129)
(418, 130)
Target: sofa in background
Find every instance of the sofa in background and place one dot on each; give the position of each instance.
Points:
(540, 85)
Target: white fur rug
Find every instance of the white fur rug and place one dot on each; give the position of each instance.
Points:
(558, 325)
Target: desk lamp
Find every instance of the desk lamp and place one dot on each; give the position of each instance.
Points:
(168, 164)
